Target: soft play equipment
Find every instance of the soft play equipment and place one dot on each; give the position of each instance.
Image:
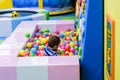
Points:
(111, 40)
(54, 6)
(37, 67)
(10, 18)
(90, 22)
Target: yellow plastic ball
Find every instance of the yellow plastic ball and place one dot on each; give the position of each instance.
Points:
(15, 14)
(28, 45)
(21, 53)
(44, 40)
(73, 38)
(71, 54)
(72, 44)
(40, 39)
(67, 33)
(47, 38)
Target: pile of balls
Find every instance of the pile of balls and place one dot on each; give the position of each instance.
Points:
(69, 44)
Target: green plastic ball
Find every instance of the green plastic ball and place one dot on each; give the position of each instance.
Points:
(27, 35)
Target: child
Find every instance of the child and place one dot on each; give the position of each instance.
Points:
(53, 44)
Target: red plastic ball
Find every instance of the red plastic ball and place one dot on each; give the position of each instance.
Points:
(74, 34)
(37, 35)
(50, 34)
(68, 30)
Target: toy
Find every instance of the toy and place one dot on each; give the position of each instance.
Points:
(15, 14)
(27, 35)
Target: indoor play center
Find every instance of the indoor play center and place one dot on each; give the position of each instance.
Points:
(88, 32)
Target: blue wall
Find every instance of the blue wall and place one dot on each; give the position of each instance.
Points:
(92, 56)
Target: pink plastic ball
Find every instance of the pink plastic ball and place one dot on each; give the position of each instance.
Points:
(62, 47)
(67, 47)
(42, 53)
(57, 32)
(43, 36)
(72, 50)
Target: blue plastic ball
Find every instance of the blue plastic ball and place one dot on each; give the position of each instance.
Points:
(62, 35)
(33, 50)
(36, 46)
(40, 32)
(46, 34)
(76, 52)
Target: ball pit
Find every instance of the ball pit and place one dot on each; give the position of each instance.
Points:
(69, 44)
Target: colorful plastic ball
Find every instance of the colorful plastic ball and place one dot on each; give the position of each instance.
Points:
(40, 39)
(15, 14)
(76, 48)
(62, 35)
(33, 50)
(72, 44)
(44, 40)
(50, 34)
(68, 38)
(35, 39)
(42, 43)
(74, 34)
(71, 54)
(73, 38)
(40, 32)
(31, 54)
(67, 33)
(43, 36)
(47, 38)
(42, 53)
(46, 34)
(37, 35)
(38, 42)
(36, 46)
(59, 52)
(68, 30)
(67, 45)
(67, 48)
(62, 47)
(26, 54)
(29, 45)
(37, 53)
(64, 38)
(47, 30)
(27, 35)
(37, 30)
(76, 52)
(57, 32)
(72, 50)
(21, 53)
(43, 31)
(26, 50)
(66, 53)
(40, 48)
